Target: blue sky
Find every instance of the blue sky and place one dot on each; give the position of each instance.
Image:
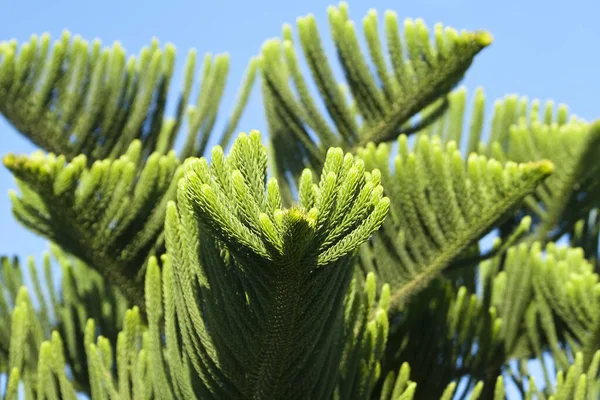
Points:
(542, 49)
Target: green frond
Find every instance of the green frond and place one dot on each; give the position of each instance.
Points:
(577, 383)
(154, 299)
(51, 380)
(465, 340)
(566, 284)
(573, 190)
(74, 97)
(509, 283)
(440, 205)
(366, 331)
(84, 294)
(470, 129)
(524, 131)
(398, 386)
(272, 282)
(414, 72)
(22, 330)
(110, 215)
(548, 300)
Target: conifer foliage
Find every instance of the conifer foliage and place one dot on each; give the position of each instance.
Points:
(338, 255)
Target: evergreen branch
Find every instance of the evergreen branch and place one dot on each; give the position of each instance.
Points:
(565, 283)
(434, 77)
(73, 97)
(85, 295)
(525, 131)
(109, 215)
(280, 275)
(575, 382)
(466, 338)
(499, 247)
(422, 72)
(441, 206)
(573, 191)
(547, 299)
(508, 111)
(366, 331)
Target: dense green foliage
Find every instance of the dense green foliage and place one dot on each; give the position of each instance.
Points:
(336, 256)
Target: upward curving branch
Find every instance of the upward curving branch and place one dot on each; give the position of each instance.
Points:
(74, 97)
(110, 215)
(440, 205)
(259, 288)
(378, 104)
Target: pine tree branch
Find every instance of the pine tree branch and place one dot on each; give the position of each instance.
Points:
(108, 215)
(278, 275)
(84, 294)
(440, 206)
(73, 97)
(422, 72)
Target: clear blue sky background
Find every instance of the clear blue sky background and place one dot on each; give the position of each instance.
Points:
(542, 49)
